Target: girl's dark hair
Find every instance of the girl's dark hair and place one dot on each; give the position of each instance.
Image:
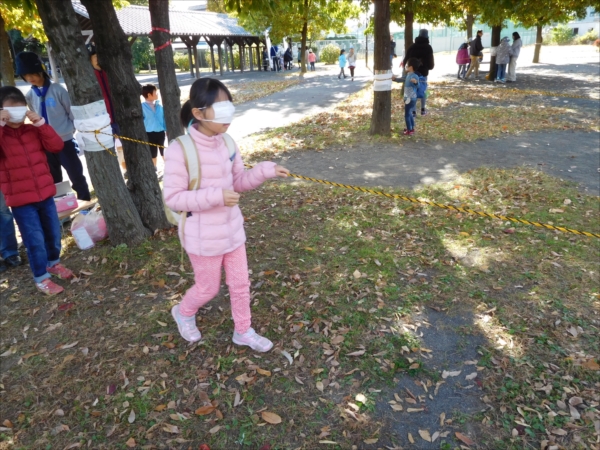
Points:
(342, 52)
(11, 93)
(203, 94)
(415, 63)
(516, 35)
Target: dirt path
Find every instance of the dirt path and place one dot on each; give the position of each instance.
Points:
(569, 155)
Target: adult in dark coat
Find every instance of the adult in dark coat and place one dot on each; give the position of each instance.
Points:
(475, 52)
(424, 53)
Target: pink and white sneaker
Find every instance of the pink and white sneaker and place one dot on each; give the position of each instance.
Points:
(186, 325)
(253, 340)
(48, 287)
(60, 271)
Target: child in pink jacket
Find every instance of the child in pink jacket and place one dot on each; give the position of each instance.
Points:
(214, 236)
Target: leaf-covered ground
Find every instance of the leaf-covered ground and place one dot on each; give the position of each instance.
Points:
(457, 112)
(340, 283)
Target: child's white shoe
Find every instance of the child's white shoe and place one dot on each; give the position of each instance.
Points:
(186, 325)
(253, 340)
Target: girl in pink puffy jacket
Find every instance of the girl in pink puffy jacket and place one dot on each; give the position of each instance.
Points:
(463, 59)
(213, 236)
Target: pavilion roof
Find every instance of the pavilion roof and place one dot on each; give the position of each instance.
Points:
(135, 21)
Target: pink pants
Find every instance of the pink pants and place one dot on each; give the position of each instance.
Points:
(207, 275)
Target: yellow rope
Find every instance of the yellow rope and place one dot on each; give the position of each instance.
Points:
(448, 207)
(415, 200)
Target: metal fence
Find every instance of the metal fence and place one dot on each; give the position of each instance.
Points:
(441, 39)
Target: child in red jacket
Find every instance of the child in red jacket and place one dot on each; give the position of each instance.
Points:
(28, 187)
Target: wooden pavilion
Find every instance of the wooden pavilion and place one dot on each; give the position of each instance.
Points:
(217, 30)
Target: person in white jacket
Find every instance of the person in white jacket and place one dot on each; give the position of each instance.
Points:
(511, 76)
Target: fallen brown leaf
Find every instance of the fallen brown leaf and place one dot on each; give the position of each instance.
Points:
(270, 417)
(205, 410)
(464, 438)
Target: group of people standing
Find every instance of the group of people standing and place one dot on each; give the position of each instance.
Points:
(349, 60)
(470, 54)
(32, 157)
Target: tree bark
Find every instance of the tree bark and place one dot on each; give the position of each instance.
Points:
(303, 38)
(409, 19)
(7, 73)
(538, 44)
(114, 56)
(367, 50)
(382, 100)
(165, 65)
(469, 24)
(62, 28)
(496, 30)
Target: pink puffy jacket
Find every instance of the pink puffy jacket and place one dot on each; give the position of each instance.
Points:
(212, 229)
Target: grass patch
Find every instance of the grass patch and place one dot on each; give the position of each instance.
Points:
(334, 273)
(456, 114)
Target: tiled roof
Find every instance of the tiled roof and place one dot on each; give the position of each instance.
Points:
(135, 21)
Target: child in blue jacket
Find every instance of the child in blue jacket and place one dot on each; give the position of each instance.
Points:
(154, 121)
(342, 61)
(410, 94)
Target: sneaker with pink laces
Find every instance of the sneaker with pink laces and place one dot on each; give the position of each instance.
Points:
(48, 287)
(253, 340)
(60, 271)
(186, 325)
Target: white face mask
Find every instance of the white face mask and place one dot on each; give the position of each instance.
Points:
(224, 112)
(17, 113)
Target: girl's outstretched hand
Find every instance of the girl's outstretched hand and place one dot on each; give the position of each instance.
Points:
(230, 198)
(281, 171)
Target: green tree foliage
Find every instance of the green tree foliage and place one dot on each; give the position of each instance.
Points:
(541, 13)
(302, 18)
(217, 6)
(423, 11)
(22, 15)
(287, 19)
(142, 53)
(182, 62)
(562, 35)
(329, 54)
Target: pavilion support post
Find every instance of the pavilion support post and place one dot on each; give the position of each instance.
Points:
(258, 61)
(220, 53)
(241, 47)
(189, 49)
(212, 58)
(251, 58)
(232, 58)
(191, 42)
(196, 61)
(226, 55)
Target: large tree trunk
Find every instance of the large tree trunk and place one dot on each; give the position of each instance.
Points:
(538, 44)
(469, 24)
(303, 38)
(114, 56)
(165, 65)
(382, 102)
(409, 19)
(7, 72)
(496, 30)
(62, 28)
